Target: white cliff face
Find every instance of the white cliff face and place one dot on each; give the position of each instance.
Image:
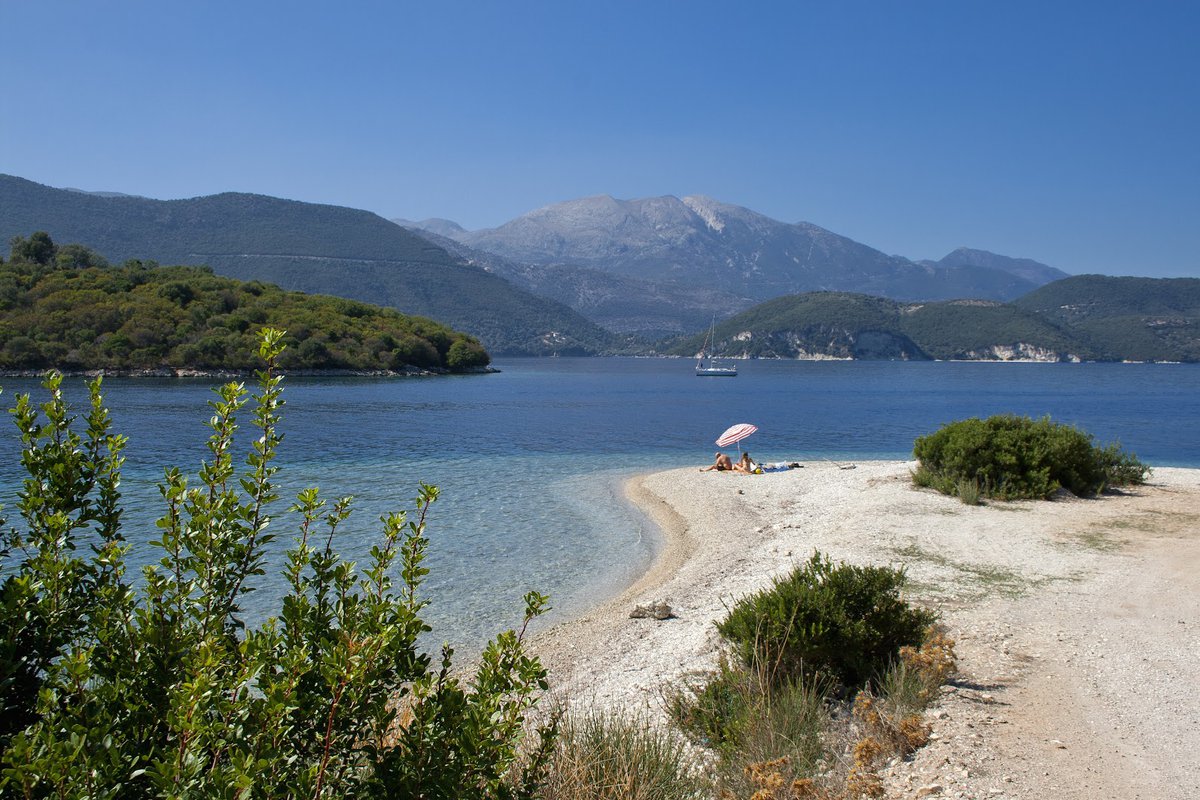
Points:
(704, 208)
(1021, 351)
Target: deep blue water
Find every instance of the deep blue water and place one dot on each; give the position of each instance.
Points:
(530, 460)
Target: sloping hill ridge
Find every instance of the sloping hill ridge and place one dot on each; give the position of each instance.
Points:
(306, 247)
(1033, 271)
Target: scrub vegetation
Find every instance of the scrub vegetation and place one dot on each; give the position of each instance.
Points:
(827, 676)
(1009, 457)
(66, 308)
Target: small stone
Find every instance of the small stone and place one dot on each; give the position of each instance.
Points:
(658, 610)
(928, 789)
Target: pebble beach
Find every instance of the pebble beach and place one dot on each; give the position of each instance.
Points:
(1077, 621)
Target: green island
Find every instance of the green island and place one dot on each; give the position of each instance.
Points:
(65, 307)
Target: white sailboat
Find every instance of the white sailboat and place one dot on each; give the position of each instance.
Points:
(708, 367)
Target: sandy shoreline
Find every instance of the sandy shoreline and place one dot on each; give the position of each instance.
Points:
(1078, 621)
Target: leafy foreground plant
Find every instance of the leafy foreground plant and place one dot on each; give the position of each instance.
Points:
(1010, 458)
(110, 692)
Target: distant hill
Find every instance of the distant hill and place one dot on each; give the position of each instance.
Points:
(306, 247)
(143, 318)
(1085, 317)
(1136, 319)
(1024, 268)
(842, 325)
(702, 256)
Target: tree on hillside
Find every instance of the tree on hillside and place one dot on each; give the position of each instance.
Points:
(39, 248)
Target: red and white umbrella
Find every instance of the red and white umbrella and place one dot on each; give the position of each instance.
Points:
(736, 433)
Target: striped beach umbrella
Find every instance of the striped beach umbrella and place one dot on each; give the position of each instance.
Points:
(736, 433)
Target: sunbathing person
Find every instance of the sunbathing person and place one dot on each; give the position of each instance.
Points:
(745, 464)
(722, 464)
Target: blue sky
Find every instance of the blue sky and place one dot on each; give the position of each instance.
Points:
(1068, 132)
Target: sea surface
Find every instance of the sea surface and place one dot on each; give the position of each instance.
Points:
(531, 460)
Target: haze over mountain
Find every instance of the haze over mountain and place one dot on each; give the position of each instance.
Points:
(732, 255)
(1026, 268)
(306, 247)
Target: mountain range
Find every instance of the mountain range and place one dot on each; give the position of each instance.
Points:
(578, 277)
(667, 265)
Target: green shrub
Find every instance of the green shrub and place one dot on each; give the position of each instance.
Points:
(1011, 457)
(166, 691)
(1122, 469)
(841, 622)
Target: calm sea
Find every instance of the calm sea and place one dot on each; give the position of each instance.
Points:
(530, 461)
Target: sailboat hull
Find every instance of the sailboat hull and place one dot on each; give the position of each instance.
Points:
(716, 372)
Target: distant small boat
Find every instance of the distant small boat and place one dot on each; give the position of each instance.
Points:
(707, 367)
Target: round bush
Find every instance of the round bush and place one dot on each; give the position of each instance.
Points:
(837, 621)
(1011, 457)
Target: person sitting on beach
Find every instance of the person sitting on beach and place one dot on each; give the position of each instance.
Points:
(746, 464)
(722, 464)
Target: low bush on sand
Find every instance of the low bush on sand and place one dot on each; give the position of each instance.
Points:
(838, 622)
(1009, 457)
(827, 677)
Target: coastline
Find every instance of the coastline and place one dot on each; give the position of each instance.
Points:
(1075, 619)
(187, 372)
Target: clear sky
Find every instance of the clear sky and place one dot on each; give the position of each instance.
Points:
(1067, 132)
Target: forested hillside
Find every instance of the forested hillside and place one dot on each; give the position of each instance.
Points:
(64, 307)
(840, 325)
(1137, 319)
(306, 247)
(1086, 317)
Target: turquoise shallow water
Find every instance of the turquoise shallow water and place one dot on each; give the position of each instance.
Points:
(531, 460)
